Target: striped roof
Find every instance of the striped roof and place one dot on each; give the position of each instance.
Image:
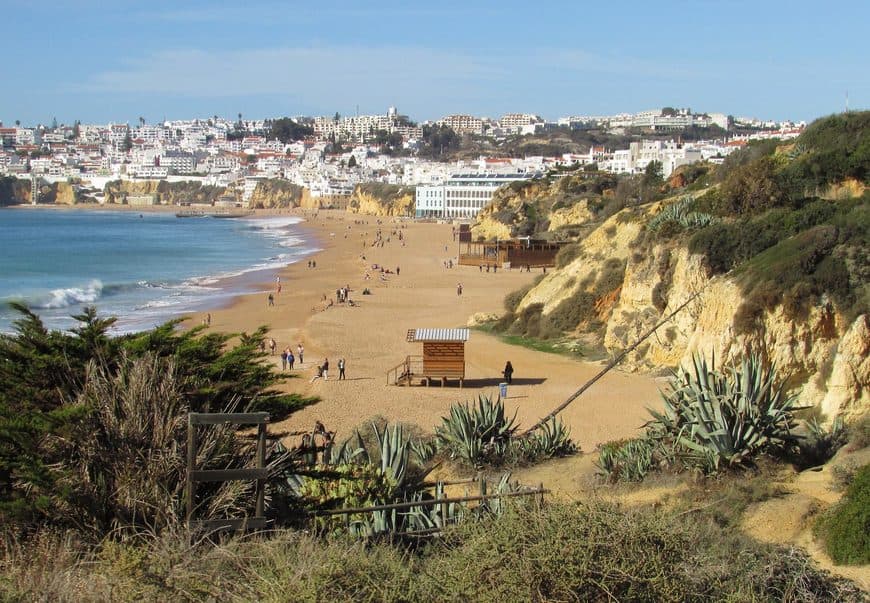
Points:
(437, 335)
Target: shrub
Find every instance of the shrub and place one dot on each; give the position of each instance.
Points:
(626, 460)
(558, 552)
(845, 529)
(512, 300)
(70, 400)
(552, 439)
(567, 254)
(725, 418)
(821, 444)
(476, 434)
(528, 321)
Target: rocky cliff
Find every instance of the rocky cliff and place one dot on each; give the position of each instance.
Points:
(168, 193)
(552, 205)
(377, 199)
(275, 193)
(16, 191)
(826, 354)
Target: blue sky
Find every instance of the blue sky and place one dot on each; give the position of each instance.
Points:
(116, 60)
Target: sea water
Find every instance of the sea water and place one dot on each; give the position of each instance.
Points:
(143, 269)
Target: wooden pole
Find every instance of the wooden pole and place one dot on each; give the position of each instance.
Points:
(261, 464)
(607, 368)
(191, 465)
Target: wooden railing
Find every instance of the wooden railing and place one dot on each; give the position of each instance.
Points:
(410, 366)
(258, 473)
(441, 502)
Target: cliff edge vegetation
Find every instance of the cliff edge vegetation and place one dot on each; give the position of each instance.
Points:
(774, 242)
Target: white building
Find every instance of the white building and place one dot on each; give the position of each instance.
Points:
(463, 124)
(462, 195)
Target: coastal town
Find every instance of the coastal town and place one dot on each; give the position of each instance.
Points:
(329, 156)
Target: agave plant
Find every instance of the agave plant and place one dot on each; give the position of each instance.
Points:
(478, 433)
(679, 213)
(725, 417)
(626, 460)
(552, 439)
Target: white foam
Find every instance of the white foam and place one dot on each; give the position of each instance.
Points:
(273, 223)
(63, 298)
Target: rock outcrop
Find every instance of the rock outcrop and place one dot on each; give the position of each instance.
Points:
(545, 204)
(375, 199)
(14, 191)
(826, 356)
(17, 191)
(273, 193)
(168, 193)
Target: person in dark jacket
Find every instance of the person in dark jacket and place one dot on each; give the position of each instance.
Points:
(508, 372)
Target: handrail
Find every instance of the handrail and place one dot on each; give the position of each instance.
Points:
(429, 503)
(393, 374)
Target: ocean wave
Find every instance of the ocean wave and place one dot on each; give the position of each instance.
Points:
(272, 223)
(70, 296)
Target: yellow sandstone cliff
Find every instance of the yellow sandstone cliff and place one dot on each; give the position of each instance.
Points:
(827, 357)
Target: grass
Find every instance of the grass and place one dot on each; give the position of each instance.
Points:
(844, 530)
(567, 552)
(562, 346)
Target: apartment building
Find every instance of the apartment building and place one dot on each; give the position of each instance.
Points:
(178, 162)
(462, 195)
(463, 124)
(518, 120)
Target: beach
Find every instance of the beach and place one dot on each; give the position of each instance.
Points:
(371, 335)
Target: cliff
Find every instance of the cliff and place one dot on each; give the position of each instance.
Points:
(772, 248)
(16, 191)
(275, 193)
(168, 193)
(614, 290)
(376, 199)
(554, 205)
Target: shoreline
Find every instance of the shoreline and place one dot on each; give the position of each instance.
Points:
(371, 335)
(212, 288)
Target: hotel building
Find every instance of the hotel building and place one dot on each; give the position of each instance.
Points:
(462, 195)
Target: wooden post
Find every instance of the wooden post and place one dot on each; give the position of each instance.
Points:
(261, 464)
(443, 511)
(541, 488)
(191, 465)
(482, 485)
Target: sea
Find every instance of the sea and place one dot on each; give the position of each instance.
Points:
(143, 269)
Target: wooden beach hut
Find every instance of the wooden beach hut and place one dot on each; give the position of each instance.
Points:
(515, 253)
(443, 358)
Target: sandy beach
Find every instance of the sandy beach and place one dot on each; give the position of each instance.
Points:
(370, 336)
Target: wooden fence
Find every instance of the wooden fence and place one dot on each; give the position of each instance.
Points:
(258, 473)
(440, 502)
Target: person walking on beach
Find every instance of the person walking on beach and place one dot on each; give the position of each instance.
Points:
(290, 358)
(325, 369)
(284, 359)
(300, 350)
(508, 372)
(272, 345)
(341, 369)
(458, 288)
(271, 300)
